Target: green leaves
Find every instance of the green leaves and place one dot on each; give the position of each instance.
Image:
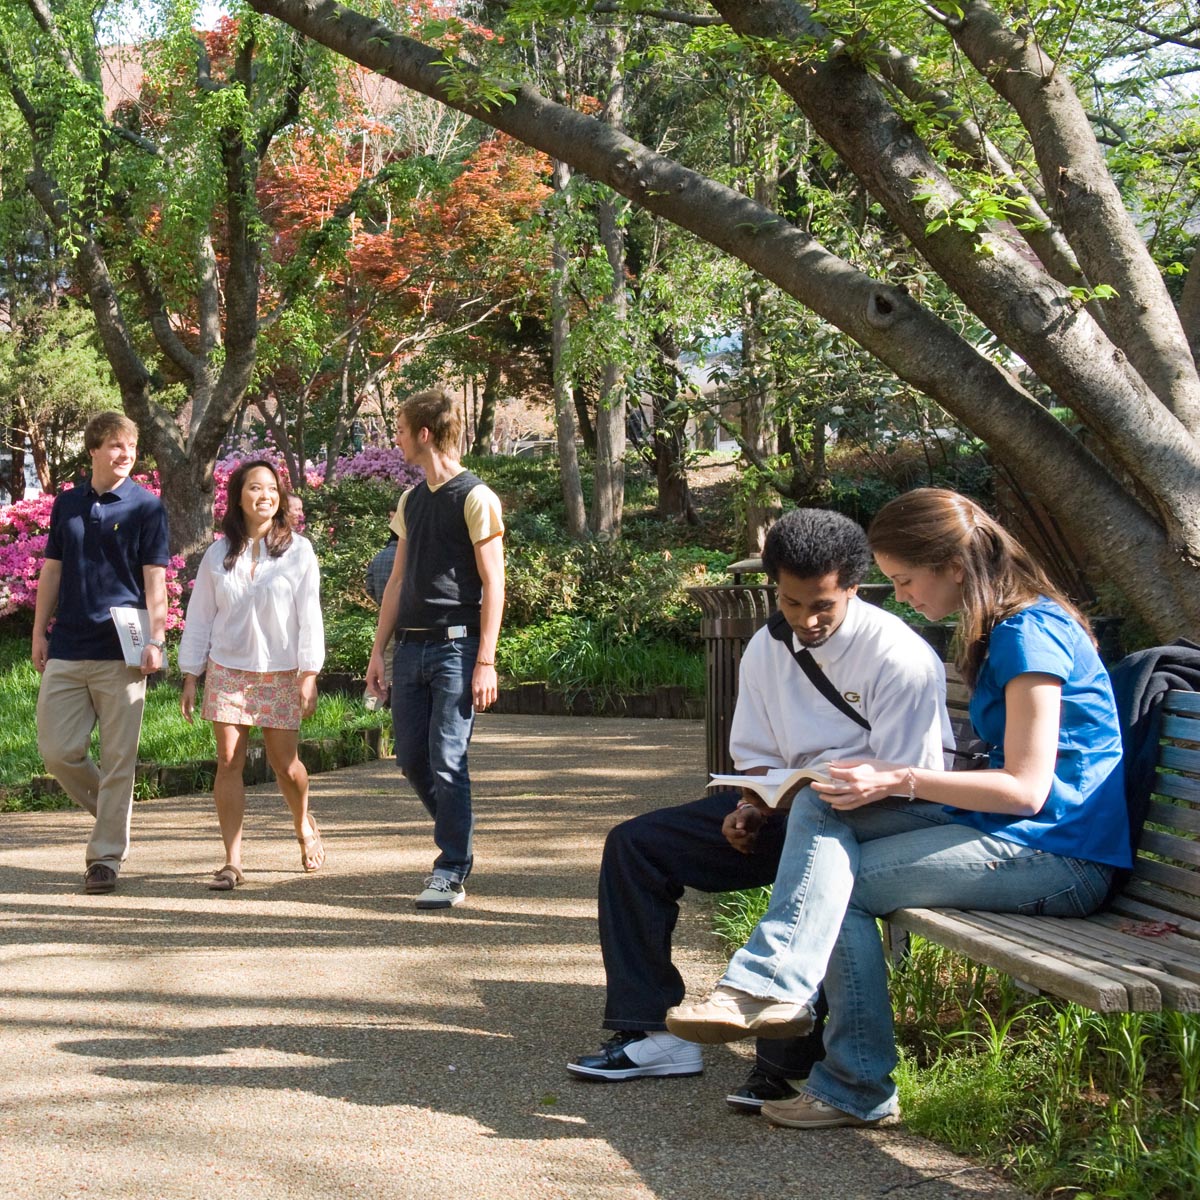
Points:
(464, 84)
(981, 207)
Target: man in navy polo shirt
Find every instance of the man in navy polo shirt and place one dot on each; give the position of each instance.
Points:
(107, 547)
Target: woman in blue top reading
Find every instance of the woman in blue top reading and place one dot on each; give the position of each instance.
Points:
(1041, 830)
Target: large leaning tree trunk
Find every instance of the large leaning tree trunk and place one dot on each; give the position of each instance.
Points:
(1131, 380)
(201, 335)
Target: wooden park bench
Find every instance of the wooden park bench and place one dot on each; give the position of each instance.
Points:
(1142, 953)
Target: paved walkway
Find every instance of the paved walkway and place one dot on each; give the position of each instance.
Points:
(315, 1036)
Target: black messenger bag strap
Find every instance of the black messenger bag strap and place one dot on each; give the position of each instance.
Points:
(781, 631)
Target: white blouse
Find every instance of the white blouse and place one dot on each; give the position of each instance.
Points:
(265, 619)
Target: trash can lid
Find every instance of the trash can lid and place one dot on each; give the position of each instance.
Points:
(747, 566)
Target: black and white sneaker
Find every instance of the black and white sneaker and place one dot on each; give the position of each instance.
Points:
(637, 1055)
(441, 892)
(760, 1087)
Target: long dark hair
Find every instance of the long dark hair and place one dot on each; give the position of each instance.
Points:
(233, 523)
(937, 528)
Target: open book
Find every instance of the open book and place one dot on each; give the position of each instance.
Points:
(777, 782)
(133, 628)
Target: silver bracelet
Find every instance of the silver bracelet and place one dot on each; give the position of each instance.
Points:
(911, 778)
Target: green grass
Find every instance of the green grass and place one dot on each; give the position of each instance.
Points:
(19, 758)
(573, 654)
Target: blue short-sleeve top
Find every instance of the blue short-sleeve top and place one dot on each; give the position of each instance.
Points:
(1085, 814)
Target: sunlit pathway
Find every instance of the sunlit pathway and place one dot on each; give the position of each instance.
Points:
(317, 1037)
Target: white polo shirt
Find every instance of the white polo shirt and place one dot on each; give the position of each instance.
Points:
(881, 668)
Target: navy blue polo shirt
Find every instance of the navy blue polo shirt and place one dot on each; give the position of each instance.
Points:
(103, 542)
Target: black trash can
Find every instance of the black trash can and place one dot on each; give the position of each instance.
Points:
(732, 614)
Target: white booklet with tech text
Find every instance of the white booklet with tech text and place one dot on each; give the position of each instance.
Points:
(133, 628)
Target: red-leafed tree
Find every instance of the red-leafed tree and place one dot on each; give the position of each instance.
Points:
(410, 244)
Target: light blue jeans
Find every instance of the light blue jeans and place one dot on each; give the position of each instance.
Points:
(841, 870)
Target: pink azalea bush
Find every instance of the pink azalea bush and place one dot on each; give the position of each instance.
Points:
(380, 462)
(24, 527)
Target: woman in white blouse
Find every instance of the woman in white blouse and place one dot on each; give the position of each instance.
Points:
(254, 624)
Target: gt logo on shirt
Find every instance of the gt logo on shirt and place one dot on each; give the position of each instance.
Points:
(853, 697)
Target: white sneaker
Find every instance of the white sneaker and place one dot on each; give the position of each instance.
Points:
(639, 1055)
(441, 892)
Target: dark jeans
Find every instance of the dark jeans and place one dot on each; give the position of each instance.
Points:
(647, 863)
(432, 720)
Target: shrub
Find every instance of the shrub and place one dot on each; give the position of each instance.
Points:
(384, 463)
(24, 527)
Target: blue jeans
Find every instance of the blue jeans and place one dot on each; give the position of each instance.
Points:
(432, 718)
(841, 870)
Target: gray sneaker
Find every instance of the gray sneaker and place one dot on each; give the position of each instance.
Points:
(441, 892)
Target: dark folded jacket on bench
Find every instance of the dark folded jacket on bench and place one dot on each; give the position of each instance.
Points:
(1140, 683)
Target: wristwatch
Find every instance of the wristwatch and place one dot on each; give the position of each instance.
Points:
(156, 643)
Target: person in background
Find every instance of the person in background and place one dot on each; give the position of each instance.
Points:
(1041, 830)
(107, 547)
(254, 626)
(379, 569)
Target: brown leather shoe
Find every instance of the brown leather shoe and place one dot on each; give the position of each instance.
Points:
(99, 878)
(729, 1015)
(805, 1111)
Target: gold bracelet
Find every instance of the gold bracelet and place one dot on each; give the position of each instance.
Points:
(911, 777)
(483, 662)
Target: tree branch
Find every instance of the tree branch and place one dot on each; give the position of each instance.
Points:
(1091, 210)
(1041, 234)
(670, 15)
(290, 109)
(879, 317)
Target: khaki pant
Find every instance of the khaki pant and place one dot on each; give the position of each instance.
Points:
(74, 697)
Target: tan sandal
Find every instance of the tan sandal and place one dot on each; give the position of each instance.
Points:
(226, 879)
(312, 849)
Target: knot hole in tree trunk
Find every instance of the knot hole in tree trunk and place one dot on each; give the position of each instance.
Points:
(882, 309)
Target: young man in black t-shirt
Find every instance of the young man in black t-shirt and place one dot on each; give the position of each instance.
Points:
(443, 601)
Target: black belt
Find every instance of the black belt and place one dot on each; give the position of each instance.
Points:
(448, 633)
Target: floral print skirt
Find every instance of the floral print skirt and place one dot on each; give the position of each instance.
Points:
(268, 699)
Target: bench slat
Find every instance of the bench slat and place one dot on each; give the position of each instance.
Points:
(1182, 702)
(1180, 850)
(1176, 817)
(1147, 890)
(1179, 758)
(1184, 729)
(1182, 787)
(1126, 906)
(1169, 952)
(1059, 973)
(1057, 937)
(1179, 878)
